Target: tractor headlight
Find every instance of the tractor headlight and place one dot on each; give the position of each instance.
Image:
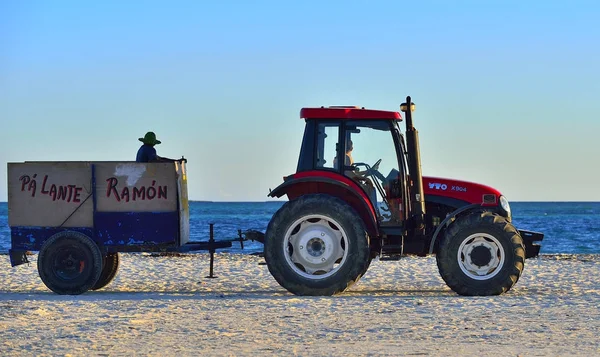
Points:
(504, 204)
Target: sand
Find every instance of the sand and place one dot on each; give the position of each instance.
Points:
(165, 306)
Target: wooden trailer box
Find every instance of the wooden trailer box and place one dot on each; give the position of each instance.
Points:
(81, 215)
(121, 206)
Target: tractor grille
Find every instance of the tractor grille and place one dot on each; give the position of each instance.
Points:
(489, 199)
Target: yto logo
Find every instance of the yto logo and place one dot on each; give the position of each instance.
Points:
(438, 186)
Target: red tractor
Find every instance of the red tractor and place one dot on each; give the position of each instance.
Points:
(343, 213)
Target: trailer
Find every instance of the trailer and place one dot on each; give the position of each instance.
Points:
(80, 215)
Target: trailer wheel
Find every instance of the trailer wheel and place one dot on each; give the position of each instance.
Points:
(481, 254)
(110, 266)
(69, 263)
(316, 245)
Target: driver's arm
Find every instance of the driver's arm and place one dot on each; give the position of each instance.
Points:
(356, 175)
(164, 159)
(350, 173)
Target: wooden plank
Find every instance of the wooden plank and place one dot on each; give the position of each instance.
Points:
(184, 207)
(50, 194)
(135, 187)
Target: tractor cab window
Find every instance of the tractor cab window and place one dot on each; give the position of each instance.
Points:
(327, 144)
(371, 161)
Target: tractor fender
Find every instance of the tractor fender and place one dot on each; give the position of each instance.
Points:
(331, 184)
(459, 212)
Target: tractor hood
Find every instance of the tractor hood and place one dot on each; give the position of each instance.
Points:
(461, 190)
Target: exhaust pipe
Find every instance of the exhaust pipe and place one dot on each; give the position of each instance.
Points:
(417, 197)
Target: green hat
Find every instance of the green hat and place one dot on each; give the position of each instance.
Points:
(150, 139)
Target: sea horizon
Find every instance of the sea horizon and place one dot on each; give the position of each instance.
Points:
(569, 227)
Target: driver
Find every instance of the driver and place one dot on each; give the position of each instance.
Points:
(363, 181)
(349, 161)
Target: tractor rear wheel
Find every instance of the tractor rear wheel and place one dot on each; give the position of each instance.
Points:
(110, 266)
(316, 245)
(481, 254)
(69, 263)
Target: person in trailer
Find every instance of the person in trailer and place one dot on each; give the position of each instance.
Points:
(147, 152)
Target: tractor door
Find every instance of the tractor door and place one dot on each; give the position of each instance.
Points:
(371, 159)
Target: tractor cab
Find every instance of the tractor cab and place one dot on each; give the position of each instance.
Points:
(359, 156)
(362, 148)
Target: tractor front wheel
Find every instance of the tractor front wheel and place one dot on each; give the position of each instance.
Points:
(481, 254)
(316, 245)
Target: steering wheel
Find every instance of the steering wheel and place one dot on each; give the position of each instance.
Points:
(374, 171)
(371, 171)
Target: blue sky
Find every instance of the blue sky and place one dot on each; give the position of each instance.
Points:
(507, 92)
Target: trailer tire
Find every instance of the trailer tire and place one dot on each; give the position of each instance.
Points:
(69, 263)
(110, 266)
(316, 245)
(481, 254)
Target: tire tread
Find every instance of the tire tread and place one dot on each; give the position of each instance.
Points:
(514, 259)
(322, 204)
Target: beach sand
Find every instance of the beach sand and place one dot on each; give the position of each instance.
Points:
(165, 305)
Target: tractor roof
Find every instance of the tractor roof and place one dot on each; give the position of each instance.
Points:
(342, 112)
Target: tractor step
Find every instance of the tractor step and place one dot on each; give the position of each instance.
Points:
(391, 252)
(391, 248)
(390, 257)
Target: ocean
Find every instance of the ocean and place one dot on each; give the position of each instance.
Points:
(569, 227)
